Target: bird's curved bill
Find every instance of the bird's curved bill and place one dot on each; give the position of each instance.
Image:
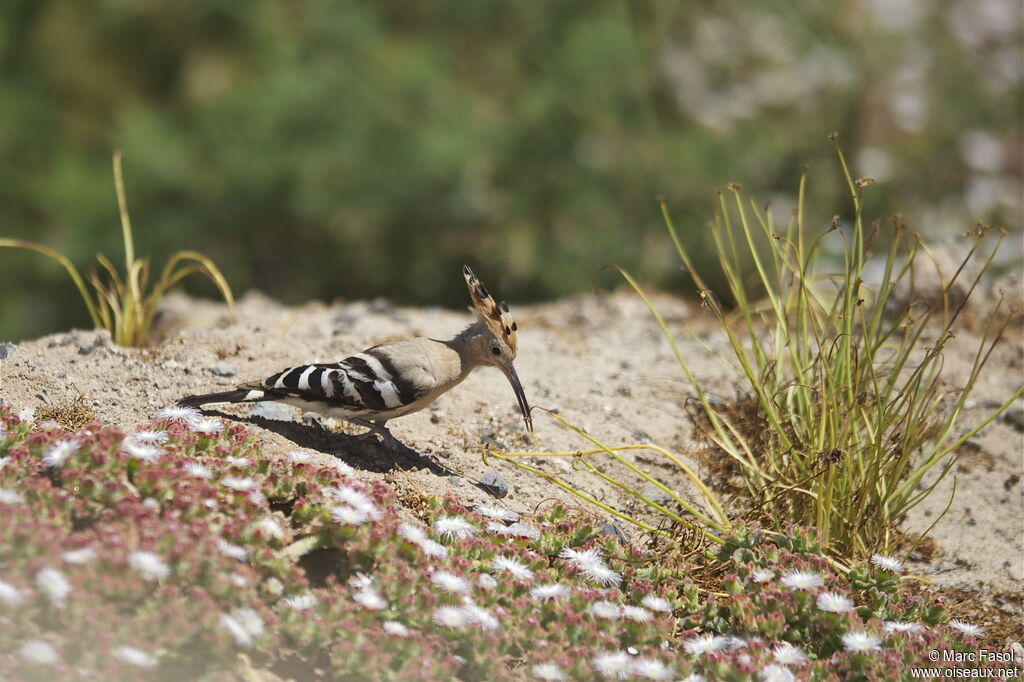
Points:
(517, 388)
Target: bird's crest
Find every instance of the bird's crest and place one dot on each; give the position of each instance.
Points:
(496, 316)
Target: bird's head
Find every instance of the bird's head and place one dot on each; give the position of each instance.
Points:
(497, 344)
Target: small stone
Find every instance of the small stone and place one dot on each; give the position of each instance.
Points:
(445, 453)
(171, 364)
(5, 350)
(608, 528)
(224, 369)
(63, 340)
(455, 481)
(494, 483)
(271, 410)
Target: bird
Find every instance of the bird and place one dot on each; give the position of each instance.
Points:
(393, 379)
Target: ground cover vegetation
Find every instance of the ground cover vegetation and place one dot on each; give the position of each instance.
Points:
(179, 551)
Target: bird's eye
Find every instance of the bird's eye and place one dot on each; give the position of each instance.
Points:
(495, 350)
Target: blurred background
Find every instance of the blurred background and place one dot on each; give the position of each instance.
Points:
(346, 149)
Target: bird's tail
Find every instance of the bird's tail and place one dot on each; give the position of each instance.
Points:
(240, 395)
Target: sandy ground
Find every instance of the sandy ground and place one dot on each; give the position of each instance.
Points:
(600, 361)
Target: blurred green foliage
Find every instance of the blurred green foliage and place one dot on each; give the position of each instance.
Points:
(355, 149)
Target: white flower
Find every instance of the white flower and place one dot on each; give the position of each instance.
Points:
(549, 592)
(656, 603)
(136, 657)
(592, 565)
(244, 625)
(300, 602)
(522, 530)
(207, 426)
(833, 602)
(198, 470)
(233, 551)
(787, 654)
(802, 580)
(969, 629)
(178, 413)
(486, 581)
(300, 457)
(149, 565)
(360, 580)
(732, 643)
(348, 516)
(887, 562)
(237, 461)
(341, 467)
(694, 677)
(39, 652)
(496, 513)
(454, 528)
(271, 527)
(775, 673)
(893, 626)
(637, 614)
(240, 484)
(763, 575)
(394, 628)
(413, 534)
(149, 436)
(705, 644)
(604, 576)
(547, 671)
(79, 556)
(606, 609)
(10, 595)
(147, 452)
(481, 617)
(356, 499)
(58, 453)
(53, 583)
(451, 617)
(516, 569)
(434, 549)
(368, 598)
(652, 669)
(612, 665)
(418, 536)
(860, 642)
(449, 582)
(10, 497)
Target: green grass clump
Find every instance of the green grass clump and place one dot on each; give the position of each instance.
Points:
(124, 305)
(849, 411)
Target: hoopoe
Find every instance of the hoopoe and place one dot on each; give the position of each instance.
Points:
(394, 379)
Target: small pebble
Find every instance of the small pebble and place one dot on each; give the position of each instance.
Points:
(224, 369)
(494, 483)
(608, 528)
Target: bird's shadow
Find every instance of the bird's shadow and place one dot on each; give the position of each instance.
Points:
(364, 452)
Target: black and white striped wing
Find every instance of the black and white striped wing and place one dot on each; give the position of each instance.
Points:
(367, 383)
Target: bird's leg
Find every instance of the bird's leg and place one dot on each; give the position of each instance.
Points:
(388, 439)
